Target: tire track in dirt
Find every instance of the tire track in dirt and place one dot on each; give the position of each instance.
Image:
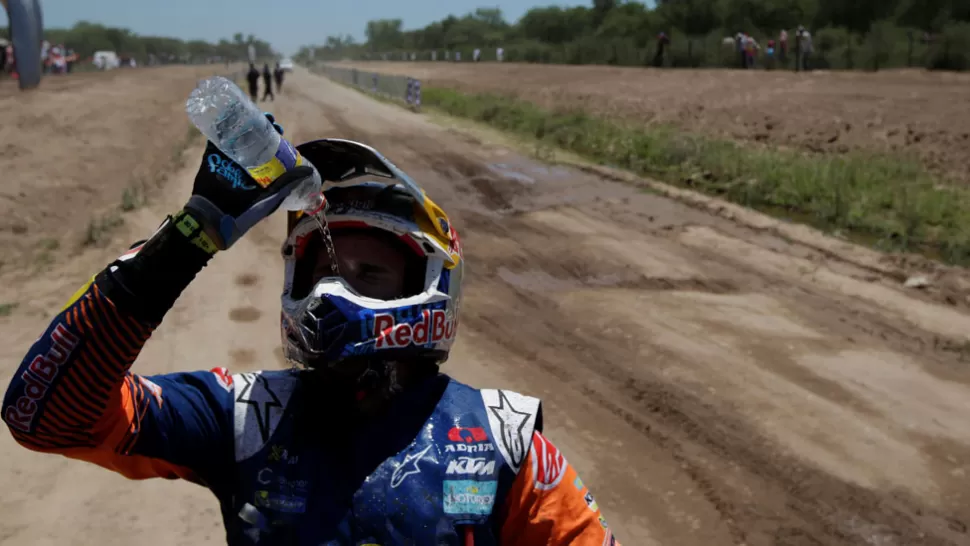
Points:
(695, 431)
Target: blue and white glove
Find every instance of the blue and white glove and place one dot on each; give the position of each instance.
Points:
(228, 202)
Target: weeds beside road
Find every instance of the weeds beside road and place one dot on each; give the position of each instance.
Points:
(889, 202)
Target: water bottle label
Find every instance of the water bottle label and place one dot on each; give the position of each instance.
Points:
(286, 158)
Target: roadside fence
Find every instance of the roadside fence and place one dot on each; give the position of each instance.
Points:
(398, 88)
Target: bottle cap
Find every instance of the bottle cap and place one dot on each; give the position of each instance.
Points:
(317, 204)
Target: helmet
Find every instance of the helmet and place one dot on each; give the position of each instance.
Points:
(327, 322)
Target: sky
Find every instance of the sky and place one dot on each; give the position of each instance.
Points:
(286, 24)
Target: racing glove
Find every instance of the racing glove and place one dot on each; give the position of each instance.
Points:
(228, 201)
(225, 203)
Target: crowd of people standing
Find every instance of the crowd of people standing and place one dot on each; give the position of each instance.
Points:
(775, 52)
(750, 52)
(57, 59)
(54, 58)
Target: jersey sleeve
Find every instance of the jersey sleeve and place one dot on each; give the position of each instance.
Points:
(74, 395)
(549, 504)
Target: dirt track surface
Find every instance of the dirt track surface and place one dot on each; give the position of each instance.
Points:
(713, 383)
(912, 112)
(71, 147)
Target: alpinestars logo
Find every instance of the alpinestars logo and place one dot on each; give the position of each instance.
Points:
(408, 467)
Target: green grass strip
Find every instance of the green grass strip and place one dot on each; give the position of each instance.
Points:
(890, 203)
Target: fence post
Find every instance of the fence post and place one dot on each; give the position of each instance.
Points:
(375, 82)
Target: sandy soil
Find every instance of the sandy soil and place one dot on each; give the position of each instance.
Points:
(714, 382)
(907, 111)
(70, 148)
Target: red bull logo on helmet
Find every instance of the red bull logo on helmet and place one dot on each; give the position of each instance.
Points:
(435, 326)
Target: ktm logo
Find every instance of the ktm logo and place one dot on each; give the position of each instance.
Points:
(470, 466)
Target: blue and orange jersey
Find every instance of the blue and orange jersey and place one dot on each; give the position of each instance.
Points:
(74, 395)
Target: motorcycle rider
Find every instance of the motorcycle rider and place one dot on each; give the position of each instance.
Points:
(364, 441)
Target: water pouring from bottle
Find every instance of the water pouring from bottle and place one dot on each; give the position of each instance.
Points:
(235, 125)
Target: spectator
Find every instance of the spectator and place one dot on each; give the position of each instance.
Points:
(739, 47)
(770, 55)
(253, 78)
(11, 62)
(278, 75)
(751, 48)
(268, 83)
(59, 59)
(662, 42)
(45, 51)
(803, 44)
(783, 46)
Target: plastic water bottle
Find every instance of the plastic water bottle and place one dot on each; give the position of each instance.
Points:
(226, 116)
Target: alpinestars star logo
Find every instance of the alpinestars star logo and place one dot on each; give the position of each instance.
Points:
(262, 400)
(512, 423)
(408, 467)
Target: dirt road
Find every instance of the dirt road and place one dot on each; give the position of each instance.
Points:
(913, 112)
(714, 383)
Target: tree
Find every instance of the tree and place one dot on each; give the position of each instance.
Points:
(613, 30)
(601, 8)
(631, 21)
(556, 25)
(85, 38)
(384, 34)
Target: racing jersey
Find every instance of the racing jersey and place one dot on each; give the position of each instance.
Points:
(460, 474)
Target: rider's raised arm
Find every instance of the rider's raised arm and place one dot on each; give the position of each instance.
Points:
(549, 504)
(73, 393)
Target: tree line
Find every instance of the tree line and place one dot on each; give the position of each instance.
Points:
(85, 38)
(861, 34)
